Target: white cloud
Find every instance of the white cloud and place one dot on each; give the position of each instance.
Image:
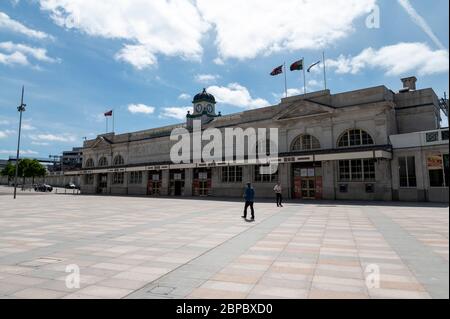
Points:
(218, 61)
(65, 138)
(395, 60)
(242, 29)
(22, 152)
(140, 108)
(27, 127)
(184, 96)
(290, 92)
(40, 143)
(6, 133)
(136, 55)
(420, 21)
(236, 95)
(178, 113)
(39, 54)
(206, 78)
(148, 28)
(12, 25)
(16, 58)
(248, 28)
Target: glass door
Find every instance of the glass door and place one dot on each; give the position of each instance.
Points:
(308, 188)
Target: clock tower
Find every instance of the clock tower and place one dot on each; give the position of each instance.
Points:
(204, 106)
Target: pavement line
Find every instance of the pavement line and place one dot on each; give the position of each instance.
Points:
(430, 269)
(180, 282)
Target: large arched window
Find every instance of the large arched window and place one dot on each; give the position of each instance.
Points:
(102, 162)
(118, 160)
(89, 163)
(305, 142)
(355, 137)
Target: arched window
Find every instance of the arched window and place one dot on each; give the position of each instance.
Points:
(355, 137)
(118, 160)
(102, 162)
(305, 142)
(89, 163)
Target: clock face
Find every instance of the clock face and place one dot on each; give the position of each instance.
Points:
(209, 108)
(198, 108)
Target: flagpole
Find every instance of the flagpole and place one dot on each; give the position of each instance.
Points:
(304, 76)
(324, 70)
(106, 124)
(285, 80)
(113, 120)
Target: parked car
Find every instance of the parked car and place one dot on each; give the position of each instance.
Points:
(43, 188)
(71, 186)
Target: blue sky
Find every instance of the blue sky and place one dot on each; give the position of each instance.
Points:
(146, 60)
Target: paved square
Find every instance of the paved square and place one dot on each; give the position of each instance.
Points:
(134, 247)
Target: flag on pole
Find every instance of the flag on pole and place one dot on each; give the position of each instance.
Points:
(109, 113)
(297, 65)
(311, 66)
(277, 70)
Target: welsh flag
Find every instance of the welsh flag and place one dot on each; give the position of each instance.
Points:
(297, 65)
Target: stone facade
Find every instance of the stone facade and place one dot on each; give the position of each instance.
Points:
(331, 146)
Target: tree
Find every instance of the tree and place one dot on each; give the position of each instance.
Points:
(31, 168)
(9, 170)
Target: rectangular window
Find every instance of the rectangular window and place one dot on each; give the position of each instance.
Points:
(135, 177)
(264, 178)
(118, 178)
(407, 171)
(89, 179)
(369, 169)
(344, 170)
(438, 170)
(358, 170)
(232, 174)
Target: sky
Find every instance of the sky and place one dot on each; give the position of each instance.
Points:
(146, 59)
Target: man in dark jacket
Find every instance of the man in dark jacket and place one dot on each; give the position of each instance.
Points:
(249, 197)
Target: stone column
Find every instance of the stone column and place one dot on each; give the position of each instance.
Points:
(284, 177)
(188, 179)
(125, 181)
(145, 180)
(165, 182)
(328, 180)
(109, 184)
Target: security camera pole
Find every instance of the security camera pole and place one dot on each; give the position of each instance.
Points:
(21, 109)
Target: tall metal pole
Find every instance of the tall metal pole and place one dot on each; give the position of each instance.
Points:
(324, 70)
(304, 76)
(285, 79)
(21, 109)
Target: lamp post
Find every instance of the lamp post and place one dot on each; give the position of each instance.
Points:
(21, 109)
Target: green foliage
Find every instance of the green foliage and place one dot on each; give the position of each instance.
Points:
(31, 168)
(8, 170)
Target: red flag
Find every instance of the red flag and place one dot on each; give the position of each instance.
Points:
(109, 113)
(277, 70)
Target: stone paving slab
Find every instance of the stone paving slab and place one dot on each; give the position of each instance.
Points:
(137, 247)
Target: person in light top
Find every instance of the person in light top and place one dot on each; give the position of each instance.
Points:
(278, 191)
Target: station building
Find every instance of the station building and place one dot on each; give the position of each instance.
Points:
(369, 144)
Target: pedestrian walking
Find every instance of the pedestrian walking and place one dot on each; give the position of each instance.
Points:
(249, 197)
(278, 194)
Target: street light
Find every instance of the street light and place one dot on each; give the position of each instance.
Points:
(20, 108)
